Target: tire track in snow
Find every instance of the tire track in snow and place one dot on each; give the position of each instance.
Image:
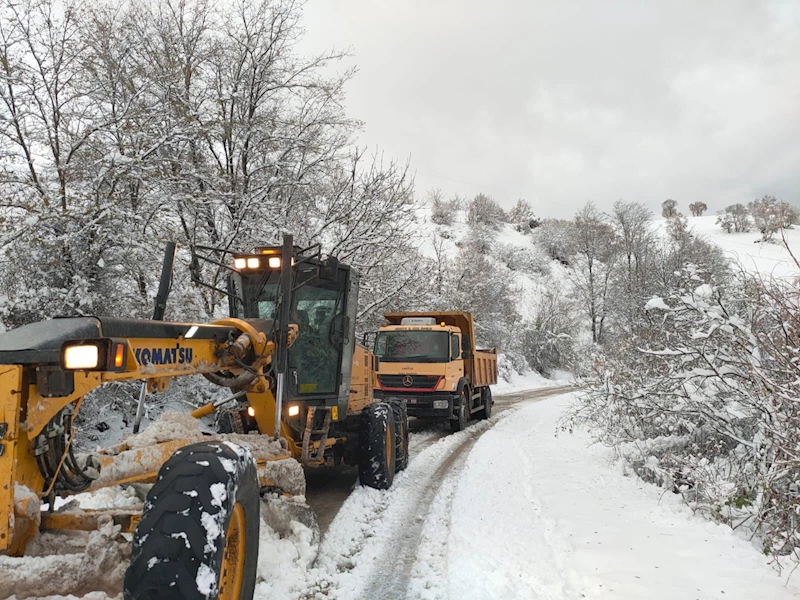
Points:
(372, 546)
(392, 583)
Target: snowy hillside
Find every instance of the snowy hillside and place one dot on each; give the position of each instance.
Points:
(746, 249)
(500, 274)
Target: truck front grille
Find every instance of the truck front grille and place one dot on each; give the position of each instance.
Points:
(409, 382)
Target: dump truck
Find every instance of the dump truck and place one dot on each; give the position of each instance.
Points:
(429, 360)
(300, 396)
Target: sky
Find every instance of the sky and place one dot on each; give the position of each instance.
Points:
(561, 102)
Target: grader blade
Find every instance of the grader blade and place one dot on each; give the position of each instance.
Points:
(137, 458)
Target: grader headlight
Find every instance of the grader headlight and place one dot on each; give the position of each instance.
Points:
(240, 263)
(102, 354)
(253, 263)
(274, 262)
(81, 358)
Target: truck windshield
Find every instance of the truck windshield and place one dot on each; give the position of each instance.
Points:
(413, 346)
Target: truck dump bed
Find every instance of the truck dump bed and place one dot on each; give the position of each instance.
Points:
(484, 368)
(480, 366)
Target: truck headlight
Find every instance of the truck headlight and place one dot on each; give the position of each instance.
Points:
(440, 404)
(294, 410)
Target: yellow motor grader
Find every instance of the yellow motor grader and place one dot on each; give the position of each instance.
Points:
(301, 396)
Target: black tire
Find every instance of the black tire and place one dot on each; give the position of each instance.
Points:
(486, 401)
(376, 446)
(180, 542)
(462, 416)
(401, 433)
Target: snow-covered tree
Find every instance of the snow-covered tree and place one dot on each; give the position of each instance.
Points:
(735, 217)
(669, 208)
(701, 399)
(484, 210)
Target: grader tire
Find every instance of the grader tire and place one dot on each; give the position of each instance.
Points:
(376, 445)
(401, 433)
(198, 537)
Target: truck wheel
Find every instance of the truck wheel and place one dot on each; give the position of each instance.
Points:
(401, 433)
(460, 422)
(198, 537)
(376, 445)
(486, 401)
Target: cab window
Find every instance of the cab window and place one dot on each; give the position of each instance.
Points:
(455, 347)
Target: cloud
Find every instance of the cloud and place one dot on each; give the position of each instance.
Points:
(561, 102)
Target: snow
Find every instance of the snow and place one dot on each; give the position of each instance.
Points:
(507, 508)
(769, 259)
(656, 303)
(218, 494)
(112, 497)
(529, 381)
(537, 515)
(206, 580)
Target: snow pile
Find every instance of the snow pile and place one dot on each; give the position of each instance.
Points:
(111, 497)
(139, 454)
(284, 562)
(170, 426)
(63, 564)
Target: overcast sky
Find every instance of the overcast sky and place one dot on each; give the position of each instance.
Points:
(560, 102)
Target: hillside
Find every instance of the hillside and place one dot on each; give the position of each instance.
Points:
(746, 249)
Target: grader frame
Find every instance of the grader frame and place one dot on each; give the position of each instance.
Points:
(45, 374)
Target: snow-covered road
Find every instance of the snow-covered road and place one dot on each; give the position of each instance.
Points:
(507, 509)
(546, 517)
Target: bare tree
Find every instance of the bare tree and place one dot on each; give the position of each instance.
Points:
(596, 248)
(768, 216)
(632, 224)
(483, 210)
(443, 211)
(698, 208)
(557, 238)
(669, 208)
(735, 218)
(523, 217)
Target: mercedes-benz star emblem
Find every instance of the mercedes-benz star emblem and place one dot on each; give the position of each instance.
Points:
(408, 380)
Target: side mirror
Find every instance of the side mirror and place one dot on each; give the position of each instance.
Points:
(377, 363)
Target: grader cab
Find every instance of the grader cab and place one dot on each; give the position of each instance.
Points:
(301, 396)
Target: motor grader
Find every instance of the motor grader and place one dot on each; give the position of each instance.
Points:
(301, 396)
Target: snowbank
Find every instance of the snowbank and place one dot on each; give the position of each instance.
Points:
(531, 381)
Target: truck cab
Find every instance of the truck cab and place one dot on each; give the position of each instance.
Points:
(430, 361)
